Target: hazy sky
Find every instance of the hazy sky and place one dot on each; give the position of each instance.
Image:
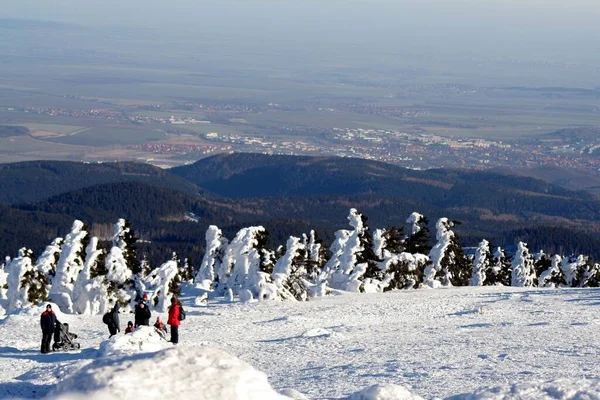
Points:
(509, 28)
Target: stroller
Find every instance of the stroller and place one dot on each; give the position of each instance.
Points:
(63, 339)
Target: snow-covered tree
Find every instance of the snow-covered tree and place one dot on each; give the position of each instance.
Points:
(404, 270)
(418, 240)
(216, 245)
(316, 255)
(48, 260)
(353, 260)
(186, 270)
(3, 287)
(242, 256)
(541, 262)
(90, 292)
(125, 239)
(289, 274)
(500, 269)
(449, 266)
(481, 263)
(166, 284)
(523, 272)
(553, 275)
(588, 275)
(573, 267)
(70, 263)
(120, 268)
(19, 280)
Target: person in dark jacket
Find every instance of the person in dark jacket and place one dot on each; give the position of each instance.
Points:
(174, 311)
(48, 323)
(142, 312)
(114, 325)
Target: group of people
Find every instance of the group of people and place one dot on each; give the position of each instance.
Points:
(142, 315)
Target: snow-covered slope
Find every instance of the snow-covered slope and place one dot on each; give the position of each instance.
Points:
(470, 343)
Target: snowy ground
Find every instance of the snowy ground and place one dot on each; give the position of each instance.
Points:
(436, 343)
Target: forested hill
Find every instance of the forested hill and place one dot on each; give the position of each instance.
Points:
(31, 181)
(288, 196)
(244, 175)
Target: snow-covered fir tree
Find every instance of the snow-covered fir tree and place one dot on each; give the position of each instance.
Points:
(481, 263)
(500, 269)
(19, 269)
(574, 267)
(70, 263)
(316, 256)
(587, 275)
(125, 239)
(404, 270)
(120, 267)
(419, 238)
(216, 245)
(289, 274)
(243, 256)
(48, 260)
(541, 262)
(90, 292)
(186, 270)
(3, 288)
(165, 284)
(552, 276)
(353, 265)
(449, 266)
(523, 272)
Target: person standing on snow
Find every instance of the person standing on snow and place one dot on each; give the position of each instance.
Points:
(174, 321)
(114, 325)
(142, 312)
(48, 323)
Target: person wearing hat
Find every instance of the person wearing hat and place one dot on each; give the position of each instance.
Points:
(142, 312)
(48, 323)
(129, 328)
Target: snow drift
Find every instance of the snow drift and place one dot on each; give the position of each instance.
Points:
(174, 373)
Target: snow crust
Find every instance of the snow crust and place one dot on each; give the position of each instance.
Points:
(559, 389)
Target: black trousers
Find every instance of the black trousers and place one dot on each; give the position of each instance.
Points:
(46, 339)
(112, 330)
(174, 334)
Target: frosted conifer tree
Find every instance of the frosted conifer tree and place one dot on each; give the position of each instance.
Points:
(353, 258)
(573, 267)
(90, 292)
(587, 275)
(70, 263)
(3, 289)
(216, 245)
(500, 269)
(242, 255)
(125, 239)
(48, 260)
(19, 272)
(289, 274)
(120, 267)
(404, 270)
(418, 240)
(166, 284)
(449, 266)
(523, 273)
(481, 263)
(316, 256)
(553, 275)
(541, 262)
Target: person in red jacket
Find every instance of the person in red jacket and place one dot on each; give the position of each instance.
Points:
(174, 311)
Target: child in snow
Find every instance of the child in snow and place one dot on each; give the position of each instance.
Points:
(129, 328)
(160, 327)
(174, 321)
(48, 323)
